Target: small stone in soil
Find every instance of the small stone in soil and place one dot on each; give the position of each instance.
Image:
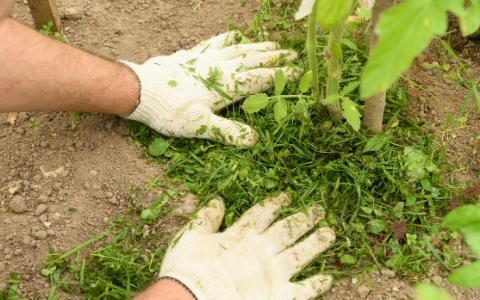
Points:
(43, 218)
(388, 273)
(43, 199)
(17, 204)
(73, 13)
(363, 291)
(40, 209)
(40, 235)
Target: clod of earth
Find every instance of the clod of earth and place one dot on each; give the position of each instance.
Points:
(17, 204)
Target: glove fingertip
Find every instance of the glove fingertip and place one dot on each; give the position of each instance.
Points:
(209, 218)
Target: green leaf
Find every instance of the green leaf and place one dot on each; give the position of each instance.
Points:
(223, 184)
(464, 218)
(48, 271)
(350, 87)
(358, 227)
(72, 210)
(427, 291)
(468, 276)
(473, 240)
(73, 116)
(158, 147)
(376, 226)
(375, 143)
(428, 66)
(255, 103)
(269, 183)
(455, 6)
(426, 184)
(330, 13)
(347, 259)
(367, 210)
(305, 82)
(349, 44)
(279, 82)
(477, 99)
(472, 20)
(337, 51)
(350, 112)
(410, 200)
(172, 83)
(332, 98)
(398, 210)
(416, 164)
(414, 22)
(280, 110)
(243, 173)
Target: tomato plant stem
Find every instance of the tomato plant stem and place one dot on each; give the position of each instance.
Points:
(312, 50)
(375, 105)
(334, 56)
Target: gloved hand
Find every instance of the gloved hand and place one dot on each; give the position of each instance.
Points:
(180, 92)
(251, 259)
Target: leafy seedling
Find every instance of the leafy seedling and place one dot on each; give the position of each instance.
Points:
(74, 115)
(476, 141)
(46, 31)
(33, 123)
(399, 229)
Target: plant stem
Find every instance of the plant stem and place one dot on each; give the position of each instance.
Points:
(333, 55)
(312, 50)
(375, 105)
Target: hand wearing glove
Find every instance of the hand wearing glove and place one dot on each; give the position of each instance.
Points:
(251, 259)
(180, 93)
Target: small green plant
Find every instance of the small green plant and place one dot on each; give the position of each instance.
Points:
(476, 140)
(33, 123)
(46, 31)
(74, 115)
(465, 219)
(259, 101)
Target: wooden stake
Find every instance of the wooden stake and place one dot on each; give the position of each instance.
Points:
(44, 11)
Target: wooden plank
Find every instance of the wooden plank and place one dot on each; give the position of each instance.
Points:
(44, 11)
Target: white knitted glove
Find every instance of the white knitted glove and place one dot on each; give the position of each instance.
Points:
(250, 260)
(366, 4)
(307, 5)
(174, 97)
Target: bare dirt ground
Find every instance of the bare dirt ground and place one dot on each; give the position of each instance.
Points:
(95, 160)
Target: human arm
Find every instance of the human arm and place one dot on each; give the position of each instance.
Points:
(165, 290)
(42, 74)
(176, 95)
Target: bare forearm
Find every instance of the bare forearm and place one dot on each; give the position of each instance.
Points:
(41, 74)
(165, 290)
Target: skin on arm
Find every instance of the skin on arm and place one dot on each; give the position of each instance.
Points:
(42, 74)
(165, 290)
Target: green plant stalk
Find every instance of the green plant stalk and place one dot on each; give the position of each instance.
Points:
(312, 50)
(334, 72)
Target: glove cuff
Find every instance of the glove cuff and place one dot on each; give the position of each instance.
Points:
(139, 88)
(180, 283)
